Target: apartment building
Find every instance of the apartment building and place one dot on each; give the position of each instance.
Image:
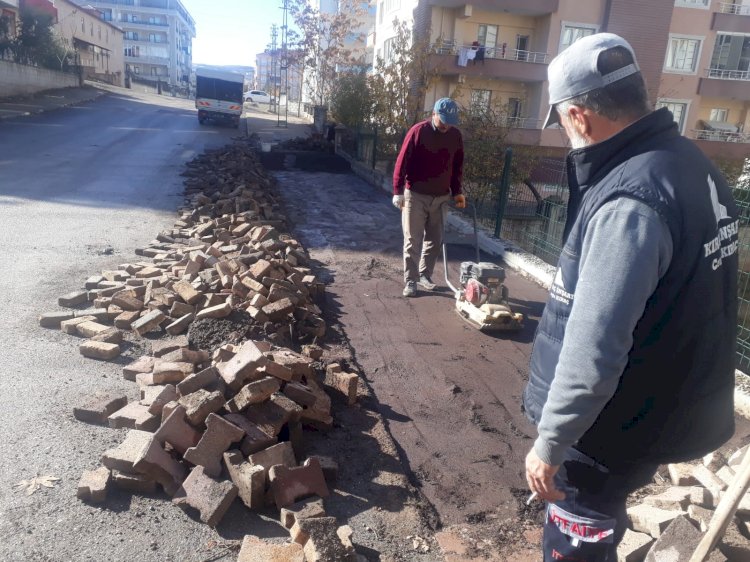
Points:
(694, 55)
(269, 79)
(98, 44)
(158, 41)
(9, 15)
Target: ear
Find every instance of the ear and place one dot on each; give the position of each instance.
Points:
(579, 118)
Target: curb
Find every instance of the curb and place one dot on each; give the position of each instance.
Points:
(96, 94)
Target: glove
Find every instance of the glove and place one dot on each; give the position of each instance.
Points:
(398, 201)
(460, 201)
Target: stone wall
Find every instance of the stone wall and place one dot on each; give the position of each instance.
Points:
(18, 79)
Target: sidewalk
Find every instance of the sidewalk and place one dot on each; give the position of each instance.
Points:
(265, 124)
(47, 100)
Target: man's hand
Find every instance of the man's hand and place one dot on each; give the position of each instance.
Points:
(460, 201)
(540, 477)
(398, 201)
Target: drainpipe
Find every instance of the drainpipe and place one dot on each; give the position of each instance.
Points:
(605, 18)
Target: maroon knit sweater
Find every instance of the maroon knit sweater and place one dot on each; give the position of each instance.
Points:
(430, 162)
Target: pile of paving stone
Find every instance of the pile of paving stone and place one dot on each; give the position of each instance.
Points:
(668, 526)
(226, 419)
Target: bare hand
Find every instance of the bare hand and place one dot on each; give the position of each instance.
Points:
(460, 201)
(540, 477)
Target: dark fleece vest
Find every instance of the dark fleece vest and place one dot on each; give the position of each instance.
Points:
(674, 400)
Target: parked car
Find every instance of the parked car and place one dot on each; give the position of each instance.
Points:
(257, 96)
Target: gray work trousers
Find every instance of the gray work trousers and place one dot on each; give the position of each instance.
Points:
(422, 223)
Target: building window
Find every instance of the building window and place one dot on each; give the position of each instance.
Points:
(132, 35)
(719, 114)
(679, 109)
(731, 57)
(83, 25)
(392, 5)
(572, 32)
(480, 100)
(487, 35)
(388, 50)
(136, 70)
(702, 4)
(381, 12)
(683, 54)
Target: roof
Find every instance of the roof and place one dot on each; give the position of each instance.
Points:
(219, 73)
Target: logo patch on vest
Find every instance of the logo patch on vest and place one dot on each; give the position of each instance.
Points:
(557, 290)
(726, 242)
(581, 528)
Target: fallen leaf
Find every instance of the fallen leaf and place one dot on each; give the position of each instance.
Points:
(37, 482)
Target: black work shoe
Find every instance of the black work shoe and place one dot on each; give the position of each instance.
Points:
(410, 290)
(426, 283)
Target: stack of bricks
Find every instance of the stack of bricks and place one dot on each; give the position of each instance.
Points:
(224, 254)
(669, 525)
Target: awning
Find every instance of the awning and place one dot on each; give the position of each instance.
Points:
(719, 126)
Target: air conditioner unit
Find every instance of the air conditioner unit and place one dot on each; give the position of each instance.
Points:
(465, 11)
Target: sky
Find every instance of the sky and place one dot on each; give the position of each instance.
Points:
(232, 32)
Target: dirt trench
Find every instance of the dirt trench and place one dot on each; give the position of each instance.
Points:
(450, 395)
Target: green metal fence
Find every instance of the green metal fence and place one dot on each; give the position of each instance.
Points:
(742, 197)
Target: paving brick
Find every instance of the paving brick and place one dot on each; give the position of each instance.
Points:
(735, 459)
(196, 381)
(260, 269)
(313, 351)
(700, 516)
(634, 546)
(714, 461)
(180, 309)
(279, 309)
(219, 436)
(124, 320)
(148, 322)
(218, 311)
(159, 348)
(708, 479)
(253, 393)
(322, 541)
(279, 371)
(99, 350)
(155, 462)
(69, 326)
(272, 415)
(92, 487)
(171, 372)
(209, 496)
(299, 393)
(346, 383)
(726, 475)
(243, 366)
(53, 319)
(279, 454)
(186, 355)
(90, 328)
(255, 439)
(180, 325)
(110, 335)
(134, 416)
(100, 314)
(186, 292)
(73, 299)
(254, 285)
(249, 479)
(674, 498)
(144, 379)
(681, 474)
(678, 542)
(93, 281)
(177, 432)
(305, 509)
(144, 364)
(702, 497)
(651, 520)
(291, 484)
(257, 550)
(199, 404)
(98, 407)
(138, 483)
(126, 453)
(127, 301)
(166, 394)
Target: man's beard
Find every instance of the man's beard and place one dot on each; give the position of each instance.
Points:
(577, 140)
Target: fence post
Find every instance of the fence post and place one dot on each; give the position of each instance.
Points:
(503, 188)
(374, 147)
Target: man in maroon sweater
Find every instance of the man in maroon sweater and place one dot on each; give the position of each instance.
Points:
(430, 167)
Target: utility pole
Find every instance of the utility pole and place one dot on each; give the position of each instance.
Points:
(274, 62)
(284, 69)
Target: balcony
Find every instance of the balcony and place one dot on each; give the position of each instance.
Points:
(141, 24)
(719, 136)
(498, 63)
(13, 4)
(522, 7)
(723, 83)
(733, 18)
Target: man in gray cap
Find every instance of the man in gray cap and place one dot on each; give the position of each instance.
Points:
(428, 173)
(633, 361)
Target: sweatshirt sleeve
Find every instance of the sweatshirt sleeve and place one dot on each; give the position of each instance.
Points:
(402, 162)
(458, 167)
(627, 248)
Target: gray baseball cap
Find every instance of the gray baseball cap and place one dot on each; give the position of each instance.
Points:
(574, 71)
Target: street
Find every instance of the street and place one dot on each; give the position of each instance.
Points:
(80, 189)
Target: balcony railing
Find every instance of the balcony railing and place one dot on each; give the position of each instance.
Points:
(523, 123)
(738, 9)
(719, 136)
(723, 74)
(500, 53)
(147, 23)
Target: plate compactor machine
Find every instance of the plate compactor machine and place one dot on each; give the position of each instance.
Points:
(482, 297)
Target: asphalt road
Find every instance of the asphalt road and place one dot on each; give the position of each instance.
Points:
(80, 189)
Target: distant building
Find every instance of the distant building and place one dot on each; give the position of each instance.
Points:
(98, 44)
(158, 41)
(9, 14)
(269, 79)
